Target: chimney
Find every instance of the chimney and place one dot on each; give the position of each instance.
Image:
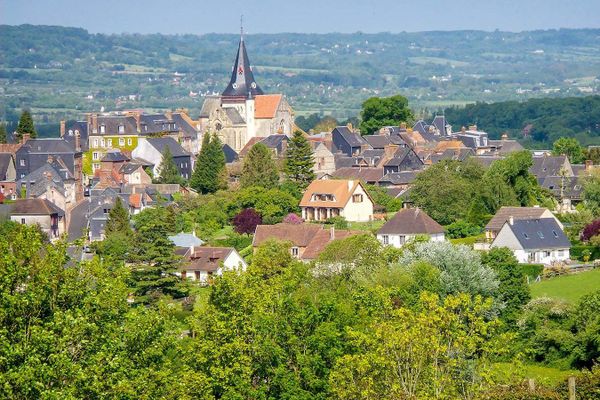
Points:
(332, 233)
(463, 129)
(62, 128)
(350, 127)
(25, 138)
(504, 136)
(588, 165)
(94, 123)
(472, 127)
(511, 220)
(77, 141)
(403, 125)
(50, 159)
(138, 115)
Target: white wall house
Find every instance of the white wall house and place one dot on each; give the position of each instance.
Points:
(324, 199)
(202, 263)
(406, 225)
(539, 241)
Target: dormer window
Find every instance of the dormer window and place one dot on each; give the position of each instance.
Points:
(121, 128)
(102, 129)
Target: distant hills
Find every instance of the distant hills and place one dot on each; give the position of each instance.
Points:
(62, 72)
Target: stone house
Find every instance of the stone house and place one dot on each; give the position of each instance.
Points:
(42, 212)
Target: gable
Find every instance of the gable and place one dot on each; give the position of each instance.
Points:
(266, 106)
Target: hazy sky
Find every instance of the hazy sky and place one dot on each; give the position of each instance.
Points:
(270, 16)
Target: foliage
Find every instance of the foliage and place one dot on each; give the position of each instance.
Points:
(118, 219)
(246, 221)
(513, 290)
(378, 112)
(575, 222)
(587, 335)
(3, 134)
(167, 170)
(292, 218)
(357, 255)
(462, 229)
(531, 270)
(299, 161)
(26, 125)
(585, 252)
(569, 147)
(259, 168)
(381, 198)
(338, 222)
(590, 230)
(461, 268)
(271, 204)
(209, 170)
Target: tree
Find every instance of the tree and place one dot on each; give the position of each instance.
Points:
(209, 171)
(118, 219)
(167, 170)
(246, 221)
(591, 192)
(259, 168)
(592, 229)
(3, 135)
(378, 112)
(569, 147)
(299, 161)
(26, 125)
(326, 124)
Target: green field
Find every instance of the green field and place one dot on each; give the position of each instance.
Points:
(569, 288)
(506, 373)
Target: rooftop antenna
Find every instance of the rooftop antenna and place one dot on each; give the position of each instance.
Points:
(242, 27)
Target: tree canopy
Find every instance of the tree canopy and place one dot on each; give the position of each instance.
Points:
(378, 112)
(167, 170)
(209, 172)
(26, 125)
(259, 168)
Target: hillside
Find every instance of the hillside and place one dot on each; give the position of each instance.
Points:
(60, 72)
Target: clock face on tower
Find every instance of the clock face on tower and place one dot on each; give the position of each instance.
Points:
(253, 85)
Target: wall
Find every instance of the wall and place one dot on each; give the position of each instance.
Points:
(358, 212)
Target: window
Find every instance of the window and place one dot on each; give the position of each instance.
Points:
(295, 251)
(102, 143)
(109, 142)
(386, 239)
(102, 129)
(121, 142)
(22, 162)
(94, 156)
(357, 198)
(546, 254)
(540, 234)
(526, 236)
(555, 234)
(95, 142)
(129, 142)
(121, 128)
(23, 221)
(561, 253)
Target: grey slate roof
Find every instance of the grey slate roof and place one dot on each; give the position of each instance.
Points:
(160, 144)
(5, 160)
(112, 122)
(421, 127)
(274, 141)
(49, 146)
(353, 139)
(230, 154)
(547, 166)
(542, 233)
(210, 104)
(129, 168)
(72, 129)
(572, 186)
(505, 146)
(377, 141)
(399, 178)
(78, 219)
(186, 240)
(42, 179)
(452, 154)
(115, 156)
(234, 115)
(242, 83)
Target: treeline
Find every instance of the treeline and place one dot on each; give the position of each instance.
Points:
(537, 122)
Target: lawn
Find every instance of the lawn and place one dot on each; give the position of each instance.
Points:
(506, 372)
(569, 287)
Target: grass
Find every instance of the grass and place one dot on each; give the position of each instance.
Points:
(569, 287)
(370, 226)
(506, 372)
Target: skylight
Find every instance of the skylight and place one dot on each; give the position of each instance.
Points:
(526, 235)
(540, 234)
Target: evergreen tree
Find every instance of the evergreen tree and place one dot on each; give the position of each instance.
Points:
(118, 219)
(299, 161)
(209, 171)
(259, 168)
(168, 172)
(26, 125)
(3, 136)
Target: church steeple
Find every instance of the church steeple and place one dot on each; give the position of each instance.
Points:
(242, 83)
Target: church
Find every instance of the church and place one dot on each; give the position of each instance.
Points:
(243, 111)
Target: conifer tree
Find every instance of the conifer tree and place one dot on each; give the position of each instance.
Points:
(118, 219)
(259, 168)
(3, 135)
(209, 171)
(168, 172)
(26, 125)
(299, 161)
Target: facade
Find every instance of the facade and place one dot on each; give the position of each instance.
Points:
(348, 142)
(47, 183)
(534, 240)
(243, 111)
(42, 212)
(152, 149)
(324, 199)
(324, 159)
(404, 159)
(406, 224)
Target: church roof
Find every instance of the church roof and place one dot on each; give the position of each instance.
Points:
(242, 83)
(265, 106)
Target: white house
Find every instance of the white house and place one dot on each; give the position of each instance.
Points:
(505, 213)
(536, 240)
(408, 223)
(201, 263)
(324, 199)
(152, 150)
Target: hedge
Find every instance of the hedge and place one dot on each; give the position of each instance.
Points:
(577, 252)
(531, 270)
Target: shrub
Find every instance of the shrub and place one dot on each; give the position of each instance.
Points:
(531, 270)
(338, 222)
(590, 230)
(246, 221)
(580, 252)
(292, 218)
(462, 229)
(519, 392)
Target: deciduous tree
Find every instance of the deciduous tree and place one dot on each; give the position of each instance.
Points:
(246, 221)
(378, 112)
(569, 147)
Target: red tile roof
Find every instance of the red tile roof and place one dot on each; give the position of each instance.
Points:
(265, 106)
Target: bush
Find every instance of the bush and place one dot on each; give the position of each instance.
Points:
(519, 392)
(590, 230)
(462, 229)
(338, 222)
(531, 270)
(468, 241)
(292, 218)
(580, 252)
(246, 221)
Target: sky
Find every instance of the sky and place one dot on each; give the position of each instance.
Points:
(305, 16)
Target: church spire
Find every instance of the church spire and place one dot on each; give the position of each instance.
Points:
(242, 83)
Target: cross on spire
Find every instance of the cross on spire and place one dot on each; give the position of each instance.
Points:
(242, 27)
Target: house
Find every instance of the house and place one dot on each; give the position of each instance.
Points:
(307, 240)
(186, 240)
(42, 212)
(474, 139)
(230, 154)
(48, 183)
(367, 175)
(545, 166)
(535, 240)
(347, 141)
(405, 159)
(408, 223)
(8, 171)
(567, 190)
(517, 213)
(324, 159)
(152, 150)
(202, 263)
(324, 199)
(504, 146)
